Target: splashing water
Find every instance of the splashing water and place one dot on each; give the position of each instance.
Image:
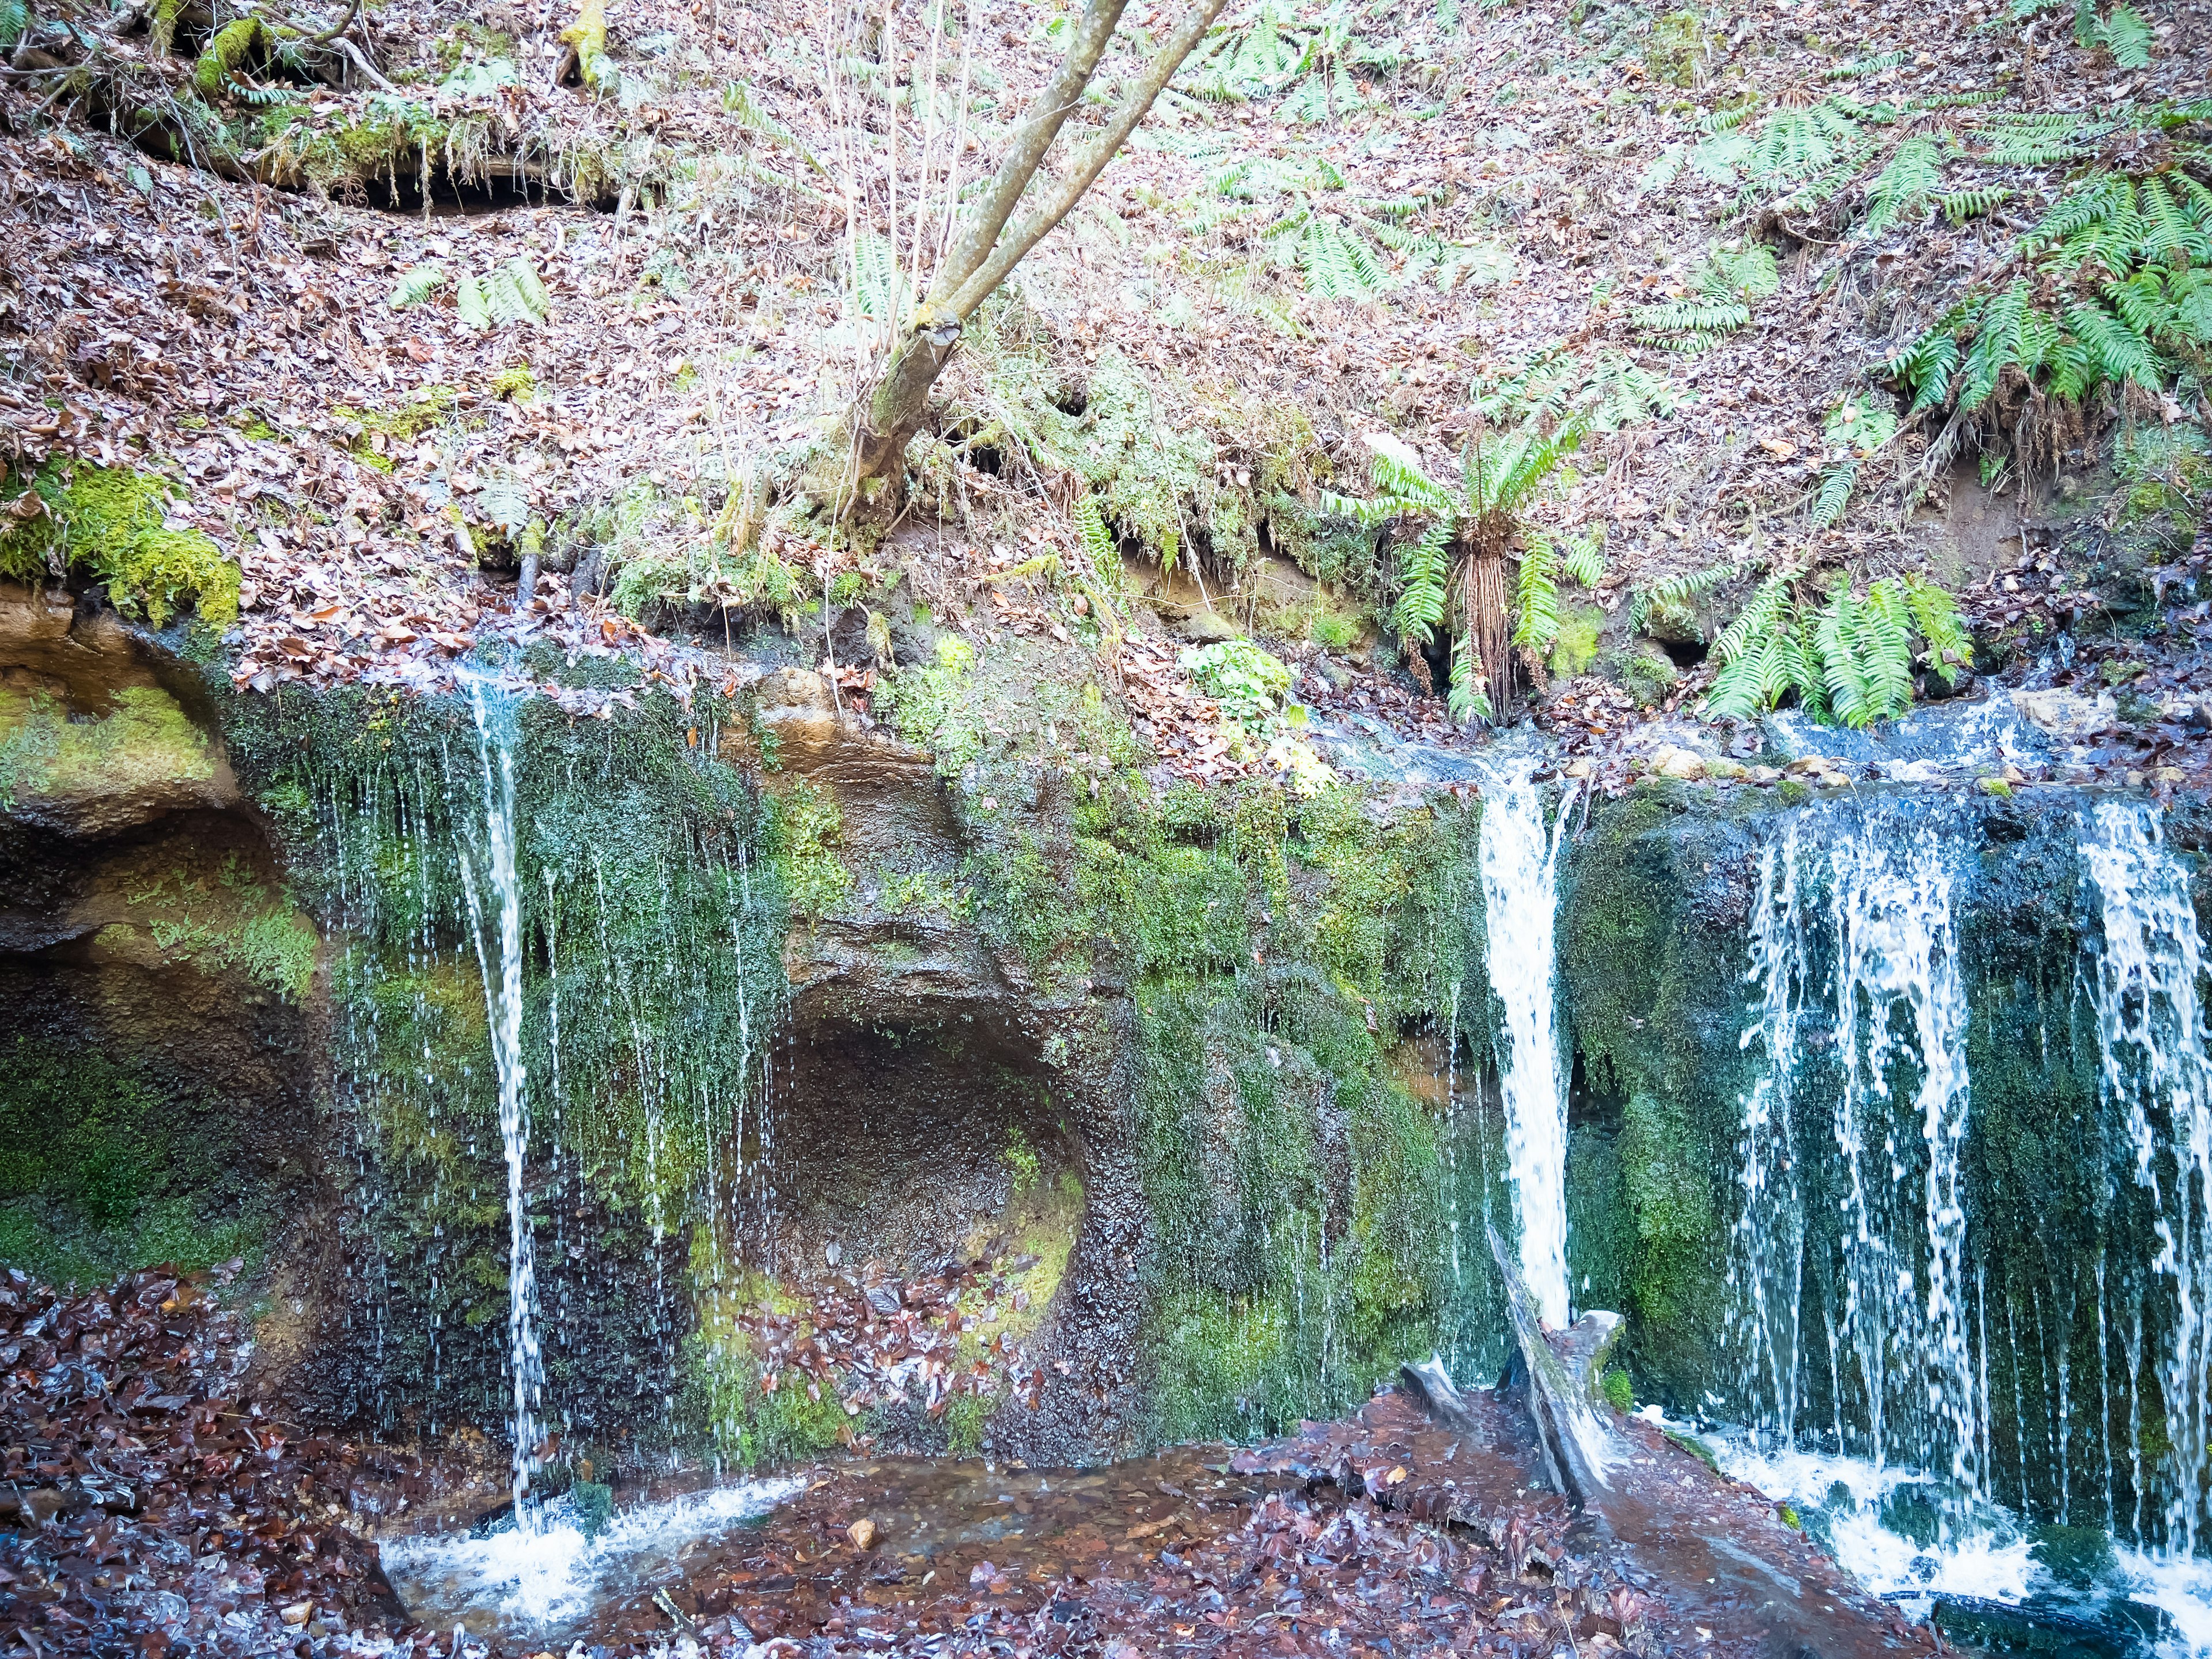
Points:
(538, 1581)
(1520, 890)
(493, 892)
(2157, 1075)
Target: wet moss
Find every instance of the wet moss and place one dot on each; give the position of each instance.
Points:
(652, 920)
(141, 737)
(111, 524)
(101, 1171)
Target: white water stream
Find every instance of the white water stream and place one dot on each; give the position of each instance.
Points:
(536, 1580)
(1855, 958)
(1520, 891)
(2157, 1076)
(494, 891)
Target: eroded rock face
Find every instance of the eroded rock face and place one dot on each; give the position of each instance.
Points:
(928, 1108)
(94, 739)
(156, 979)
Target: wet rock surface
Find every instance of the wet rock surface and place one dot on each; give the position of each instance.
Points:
(155, 1503)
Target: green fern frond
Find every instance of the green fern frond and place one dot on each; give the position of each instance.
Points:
(1935, 618)
(1470, 697)
(1885, 648)
(417, 285)
(1536, 597)
(1420, 607)
(2122, 32)
(1090, 525)
(1960, 205)
(1677, 593)
(1582, 560)
(15, 18)
(1835, 493)
(1902, 192)
(470, 298)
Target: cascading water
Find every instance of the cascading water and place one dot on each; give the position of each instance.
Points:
(1861, 1020)
(494, 891)
(2156, 1078)
(1519, 888)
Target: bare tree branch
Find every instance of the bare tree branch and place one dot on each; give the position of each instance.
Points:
(1094, 32)
(1089, 163)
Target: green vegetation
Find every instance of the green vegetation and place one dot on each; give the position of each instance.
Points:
(805, 829)
(140, 739)
(1722, 291)
(2114, 286)
(1850, 660)
(1500, 475)
(111, 524)
(1618, 1389)
(101, 1171)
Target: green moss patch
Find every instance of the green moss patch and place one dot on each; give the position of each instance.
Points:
(111, 524)
(142, 737)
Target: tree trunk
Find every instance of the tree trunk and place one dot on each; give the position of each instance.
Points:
(1489, 624)
(901, 397)
(986, 250)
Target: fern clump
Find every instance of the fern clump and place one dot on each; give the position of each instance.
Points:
(1857, 427)
(1724, 288)
(1671, 600)
(1311, 69)
(1501, 472)
(1846, 656)
(418, 284)
(2117, 287)
(1340, 245)
(512, 292)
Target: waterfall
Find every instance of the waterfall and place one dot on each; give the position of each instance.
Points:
(1520, 890)
(493, 892)
(1766, 1267)
(1861, 1019)
(2156, 1079)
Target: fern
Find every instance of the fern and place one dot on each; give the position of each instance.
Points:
(1469, 698)
(2041, 139)
(1536, 597)
(1834, 494)
(418, 284)
(1935, 618)
(1422, 574)
(1902, 193)
(1673, 595)
(1582, 560)
(15, 18)
(1850, 660)
(2121, 31)
(512, 292)
(1960, 205)
(470, 297)
(1727, 283)
(1760, 663)
(1090, 525)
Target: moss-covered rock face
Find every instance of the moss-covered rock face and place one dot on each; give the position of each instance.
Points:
(111, 523)
(2054, 1270)
(1203, 1078)
(155, 977)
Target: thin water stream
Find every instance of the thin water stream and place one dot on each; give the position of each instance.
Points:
(494, 891)
(1520, 886)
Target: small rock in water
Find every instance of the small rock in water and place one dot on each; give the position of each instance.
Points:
(862, 1531)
